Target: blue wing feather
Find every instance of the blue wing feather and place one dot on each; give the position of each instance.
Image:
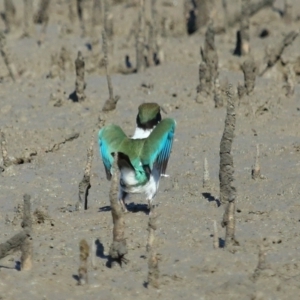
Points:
(106, 158)
(110, 139)
(158, 146)
(164, 154)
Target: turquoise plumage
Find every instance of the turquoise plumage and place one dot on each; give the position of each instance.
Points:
(141, 161)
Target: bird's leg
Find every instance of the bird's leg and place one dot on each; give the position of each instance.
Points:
(122, 202)
(122, 198)
(150, 205)
(165, 175)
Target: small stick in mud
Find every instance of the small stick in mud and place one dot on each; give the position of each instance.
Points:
(84, 252)
(140, 39)
(226, 160)
(288, 12)
(26, 247)
(111, 102)
(210, 57)
(241, 90)
(80, 83)
(243, 37)
(118, 248)
(227, 191)
(42, 17)
(202, 88)
(9, 15)
(13, 244)
(261, 265)
(43, 32)
(108, 20)
(85, 183)
(290, 80)
(7, 57)
(160, 53)
(27, 221)
(42, 14)
(68, 138)
(229, 222)
(245, 28)
(210, 72)
(73, 11)
(22, 240)
(218, 98)
(97, 13)
(95, 56)
(28, 29)
(153, 270)
(152, 35)
(86, 9)
(255, 173)
(26, 256)
(93, 254)
(249, 70)
(225, 10)
(6, 160)
(78, 95)
(206, 179)
(151, 45)
(101, 121)
(216, 235)
(274, 54)
(203, 12)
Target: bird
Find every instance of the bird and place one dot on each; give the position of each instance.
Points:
(141, 161)
(147, 118)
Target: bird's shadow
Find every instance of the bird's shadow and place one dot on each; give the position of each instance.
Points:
(105, 208)
(16, 267)
(76, 277)
(100, 253)
(131, 207)
(100, 250)
(135, 208)
(211, 198)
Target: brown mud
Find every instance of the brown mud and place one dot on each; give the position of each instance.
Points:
(51, 133)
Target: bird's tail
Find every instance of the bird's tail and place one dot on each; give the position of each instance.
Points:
(124, 161)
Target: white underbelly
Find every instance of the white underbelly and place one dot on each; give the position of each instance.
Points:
(130, 185)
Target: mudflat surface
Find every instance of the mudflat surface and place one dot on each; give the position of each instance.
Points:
(267, 210)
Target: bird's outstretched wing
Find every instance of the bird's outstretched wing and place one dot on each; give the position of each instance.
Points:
(110, 139)
(157, 147)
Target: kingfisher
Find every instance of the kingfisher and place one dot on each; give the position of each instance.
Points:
(141, 161)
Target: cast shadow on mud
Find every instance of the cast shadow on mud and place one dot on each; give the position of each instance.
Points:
(76, 277)
(100, 253)
(131, 207)
(100, 250)
(16, 267)
(211, 198)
